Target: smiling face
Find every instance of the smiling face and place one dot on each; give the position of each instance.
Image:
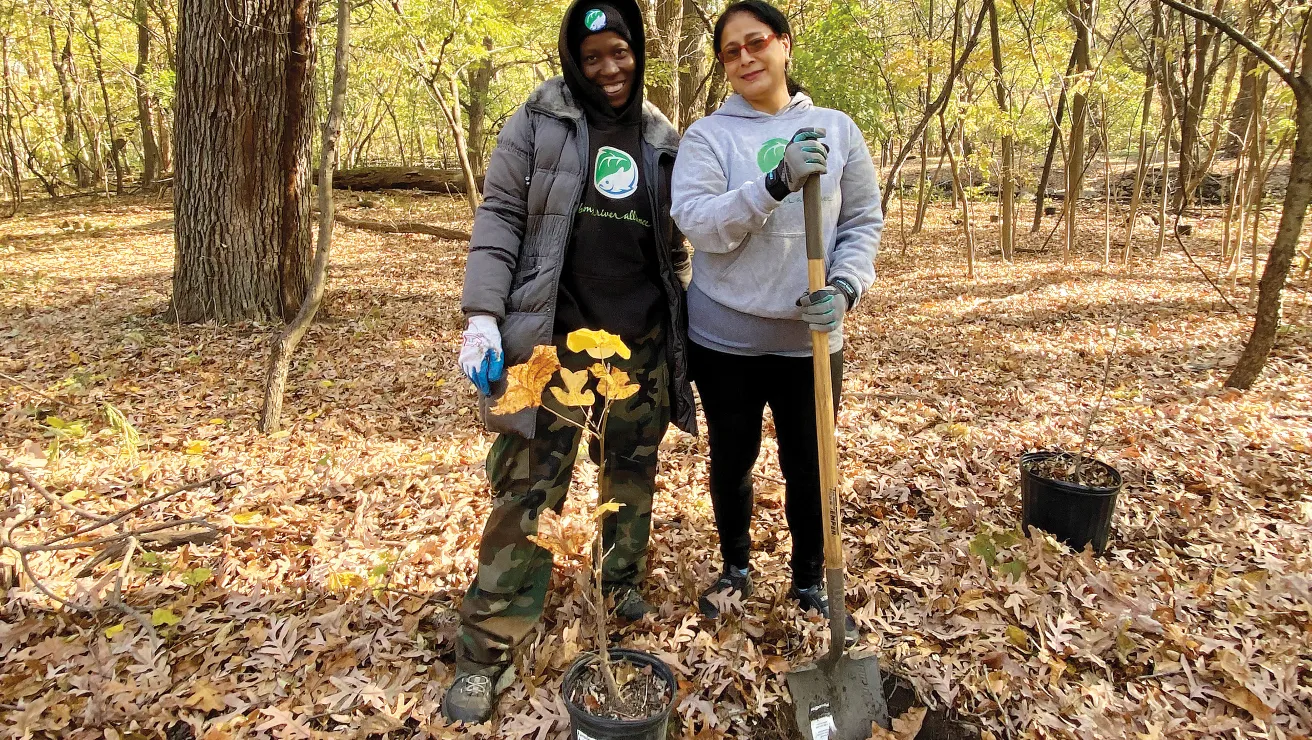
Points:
(607, 60)
(760, 78)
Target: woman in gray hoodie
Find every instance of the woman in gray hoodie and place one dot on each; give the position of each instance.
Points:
(736, 198)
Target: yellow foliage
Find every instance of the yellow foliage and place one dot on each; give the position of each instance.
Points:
(573, 395)
(597, 343)
(524, 382)
(613, 383)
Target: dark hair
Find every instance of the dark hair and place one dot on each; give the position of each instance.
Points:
(765, 13)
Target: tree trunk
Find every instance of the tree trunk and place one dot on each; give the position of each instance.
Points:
(1007, 174)
(1146, 105)
(479, 82)
(165, 140)
(922, 194)
(692, 64)
(451, 111)
(1041, 194)
(1191, 118)
(241, 194)
(715, 89)
(280, 356)
(1168, 122)
(294, 151)
(115, 144)
(11, 149)
(959, 191)
(664, 38)
(149, 148)
(62, 59)
(1242, 108)
(1297, 195)
(1082, 16)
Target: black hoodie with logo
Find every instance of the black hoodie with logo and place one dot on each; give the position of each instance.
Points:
(611, 277)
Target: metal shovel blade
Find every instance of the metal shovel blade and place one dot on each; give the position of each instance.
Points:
(838, 699)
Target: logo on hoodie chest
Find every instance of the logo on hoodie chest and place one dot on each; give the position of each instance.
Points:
(771, 154)
(615, 174)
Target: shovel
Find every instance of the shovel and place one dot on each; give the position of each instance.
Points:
(839, 696)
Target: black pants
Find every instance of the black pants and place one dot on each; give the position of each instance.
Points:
(734, 391)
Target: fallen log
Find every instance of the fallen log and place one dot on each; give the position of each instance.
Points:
(401, 227)
(400, 178)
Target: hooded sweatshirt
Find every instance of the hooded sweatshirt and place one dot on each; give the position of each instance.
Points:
(749, 264)
(611, 277)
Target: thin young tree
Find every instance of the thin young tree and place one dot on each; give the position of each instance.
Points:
(280, 354)
(149, 146)
(1007, 175)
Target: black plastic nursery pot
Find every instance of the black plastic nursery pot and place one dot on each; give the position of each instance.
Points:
(588, 726)
(1075, 514)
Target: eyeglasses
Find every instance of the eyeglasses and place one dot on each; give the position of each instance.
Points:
(755, 46)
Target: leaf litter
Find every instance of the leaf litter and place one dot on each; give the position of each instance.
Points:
(326, 608)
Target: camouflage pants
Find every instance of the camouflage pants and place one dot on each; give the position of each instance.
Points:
(504, 603)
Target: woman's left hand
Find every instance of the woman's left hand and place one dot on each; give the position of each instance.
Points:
(823, 309)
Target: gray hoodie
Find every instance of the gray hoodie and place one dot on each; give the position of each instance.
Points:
(749, 256)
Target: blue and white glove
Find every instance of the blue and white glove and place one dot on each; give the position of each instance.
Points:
(480, 353)
(823, 309)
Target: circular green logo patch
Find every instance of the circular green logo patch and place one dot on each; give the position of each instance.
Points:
(595, 20)
(615, 174)
(771, 154)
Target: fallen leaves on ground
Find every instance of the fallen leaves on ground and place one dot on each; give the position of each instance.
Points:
(327, 606)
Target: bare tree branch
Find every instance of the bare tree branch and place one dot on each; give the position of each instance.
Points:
(1253, 48)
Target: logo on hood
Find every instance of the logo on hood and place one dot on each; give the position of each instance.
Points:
(615, 174)
(771, 154)
(595, 20)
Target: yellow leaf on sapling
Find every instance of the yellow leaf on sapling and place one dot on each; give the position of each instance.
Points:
(597, 343)
(610, 507)
(524, 382)
(613, 383)
(574, 394)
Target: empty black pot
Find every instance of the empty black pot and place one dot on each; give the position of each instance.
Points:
(1075, 514)
(588, 726)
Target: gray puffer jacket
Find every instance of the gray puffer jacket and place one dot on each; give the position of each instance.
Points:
(533, 188)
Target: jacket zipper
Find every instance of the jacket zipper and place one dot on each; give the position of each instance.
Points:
(581, 132)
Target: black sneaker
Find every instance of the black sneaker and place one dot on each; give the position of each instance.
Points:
(732, 579)
(629, 604)
(473, 696)
(817, 600)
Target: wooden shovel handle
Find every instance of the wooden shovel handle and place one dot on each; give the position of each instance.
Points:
(830, 510)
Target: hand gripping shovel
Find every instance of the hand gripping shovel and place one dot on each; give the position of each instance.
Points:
(839, 696)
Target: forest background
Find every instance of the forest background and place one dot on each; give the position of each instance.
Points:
(1091, 204)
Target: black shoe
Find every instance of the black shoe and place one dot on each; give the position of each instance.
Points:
(732, 579)
(473, 696)
(629, 604)
(817, 600)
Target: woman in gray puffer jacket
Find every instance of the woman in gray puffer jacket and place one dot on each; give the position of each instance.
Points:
(574, 232)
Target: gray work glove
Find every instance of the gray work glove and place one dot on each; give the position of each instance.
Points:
(804, 156)
(823, 309)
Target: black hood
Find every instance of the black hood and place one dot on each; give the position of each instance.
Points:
(588, 93)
